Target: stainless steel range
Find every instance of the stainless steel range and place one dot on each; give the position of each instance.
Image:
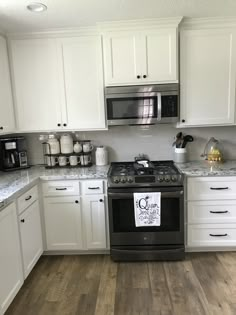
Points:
(129, 242)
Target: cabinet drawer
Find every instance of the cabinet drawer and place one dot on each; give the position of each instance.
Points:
(61, 188)
(222, 211)
(211, 188)
(93, 187)
(27, 199)
(201, 235)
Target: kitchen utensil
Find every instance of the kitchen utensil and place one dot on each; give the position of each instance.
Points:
(186, 139)
(101, 156)
(179, 137)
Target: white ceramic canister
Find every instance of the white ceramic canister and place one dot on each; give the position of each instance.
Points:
(101, 156)
(180, 155)
(54, 145)
(66, 142)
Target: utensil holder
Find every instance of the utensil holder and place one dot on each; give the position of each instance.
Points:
(180, 155)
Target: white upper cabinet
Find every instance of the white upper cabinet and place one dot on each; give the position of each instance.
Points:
(120, 58)
(37, 85)
(58, 83)
(141, 55)
(83, 77)
(207, 76)
(7, 119)
(159, 56)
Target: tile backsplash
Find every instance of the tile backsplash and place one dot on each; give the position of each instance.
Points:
(156, 141)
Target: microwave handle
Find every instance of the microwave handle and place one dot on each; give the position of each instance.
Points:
(158, 106)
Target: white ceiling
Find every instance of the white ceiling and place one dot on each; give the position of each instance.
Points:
(73, 13)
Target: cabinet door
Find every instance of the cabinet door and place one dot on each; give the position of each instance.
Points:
(31, 237)
(159, 56)
(7, 120)
(95, 221)
(63, 223)
(208, 70)
(36, 76)
(83, 77)
(121, 58)
(11, 273)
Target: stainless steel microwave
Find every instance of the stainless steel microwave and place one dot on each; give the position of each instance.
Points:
(142, 105)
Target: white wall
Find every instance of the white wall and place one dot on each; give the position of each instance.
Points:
(126, 142)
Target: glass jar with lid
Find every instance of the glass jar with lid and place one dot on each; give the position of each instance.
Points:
(53, 145)
(214, 151)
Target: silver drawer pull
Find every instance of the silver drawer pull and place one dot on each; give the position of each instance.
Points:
(218, 235)
(93, 188)
(219, 188)
(28, 198)
(64, 188)
(226, 211)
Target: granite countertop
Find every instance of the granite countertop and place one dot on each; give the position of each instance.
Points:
(205, 168)
(13, 183)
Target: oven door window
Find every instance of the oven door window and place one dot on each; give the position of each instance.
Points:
(132, 108)
(124, 220)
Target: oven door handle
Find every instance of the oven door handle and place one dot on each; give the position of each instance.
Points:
(164, 194)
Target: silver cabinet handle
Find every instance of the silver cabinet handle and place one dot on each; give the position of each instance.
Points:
(218, 235)
(219, 188)
(28, 198)
(93, 188)
(226, 211)
(64, 188)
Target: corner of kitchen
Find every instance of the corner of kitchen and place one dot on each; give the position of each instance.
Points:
(117, 159)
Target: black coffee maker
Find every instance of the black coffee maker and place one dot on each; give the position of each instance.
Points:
(13, 154)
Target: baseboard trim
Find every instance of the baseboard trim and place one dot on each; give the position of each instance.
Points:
(76, 252)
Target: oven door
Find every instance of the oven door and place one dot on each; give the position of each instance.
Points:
(122, 219)
(133, 108)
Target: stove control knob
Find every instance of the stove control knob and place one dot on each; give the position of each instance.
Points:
(130, 180)
(174, 178)
(167, 178)
(116, 180)
(123, 180)
(160, 178)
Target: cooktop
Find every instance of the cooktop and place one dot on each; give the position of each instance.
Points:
(144, 173)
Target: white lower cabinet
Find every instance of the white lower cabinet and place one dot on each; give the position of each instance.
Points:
(78, 221)
(63, 223)
(202, 235)
(211, 212)
(31, 236)
(95, 221)
(11, 273)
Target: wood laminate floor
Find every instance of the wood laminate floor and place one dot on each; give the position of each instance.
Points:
(205, 283)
